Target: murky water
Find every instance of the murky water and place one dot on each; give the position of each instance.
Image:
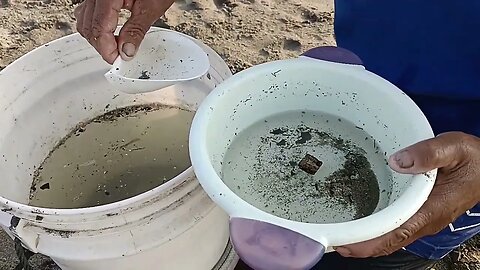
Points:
(116, 156)
(262, 167)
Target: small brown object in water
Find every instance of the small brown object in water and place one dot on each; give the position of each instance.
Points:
(310, 164)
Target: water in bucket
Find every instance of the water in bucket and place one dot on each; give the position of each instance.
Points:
(261, 166)
(113, 157)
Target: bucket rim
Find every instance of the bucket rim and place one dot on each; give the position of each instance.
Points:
(29, 212)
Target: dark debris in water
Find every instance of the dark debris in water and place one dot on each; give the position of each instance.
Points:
(310, 164)
(277, 131)
(125, 112)
(354, 185)
(145, 75)
(305, 136)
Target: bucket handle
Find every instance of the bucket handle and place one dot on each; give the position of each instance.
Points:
(5, 217)
(16, 230)
(264, 246)
(23, 254)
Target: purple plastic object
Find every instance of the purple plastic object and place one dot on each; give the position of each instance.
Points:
(264, 246)
(334, 54)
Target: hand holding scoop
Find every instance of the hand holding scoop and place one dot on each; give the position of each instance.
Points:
(163, 59)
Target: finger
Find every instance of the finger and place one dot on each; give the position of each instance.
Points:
(133, 33)
(128, 4)
(446, 150)
(87, 19)
(388, 243)
(104, 23)
(79, 13)
(134, 30)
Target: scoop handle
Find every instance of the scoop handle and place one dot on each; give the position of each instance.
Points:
(264, 246)
(334, 54)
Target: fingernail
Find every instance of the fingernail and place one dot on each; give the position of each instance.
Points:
(129, 49)
(345, 252)
(403, 159)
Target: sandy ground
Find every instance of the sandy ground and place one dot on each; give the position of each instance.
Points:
(243, 32)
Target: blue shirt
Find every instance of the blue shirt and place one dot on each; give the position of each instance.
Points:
(431, 50)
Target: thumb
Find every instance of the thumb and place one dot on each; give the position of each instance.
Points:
(134, 30)
(143, 14)
(446, 150)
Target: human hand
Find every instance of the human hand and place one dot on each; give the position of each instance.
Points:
(97, 20)
(456, 190)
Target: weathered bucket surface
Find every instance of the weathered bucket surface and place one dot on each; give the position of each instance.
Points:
(43, 96)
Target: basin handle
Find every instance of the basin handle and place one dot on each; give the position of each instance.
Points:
(264, 246)
(334, 54)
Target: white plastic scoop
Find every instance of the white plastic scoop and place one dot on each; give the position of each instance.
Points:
(164, 58)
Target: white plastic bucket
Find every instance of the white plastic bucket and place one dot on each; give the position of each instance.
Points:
(43, 96)
(325, 80)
